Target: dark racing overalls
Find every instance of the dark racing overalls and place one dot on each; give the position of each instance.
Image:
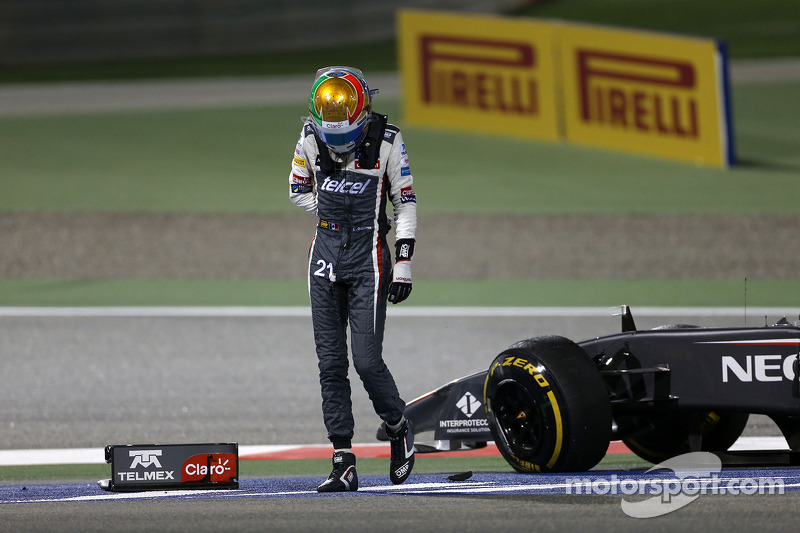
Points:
(350, 265)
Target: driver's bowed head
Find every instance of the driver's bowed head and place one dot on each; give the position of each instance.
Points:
(341, 107)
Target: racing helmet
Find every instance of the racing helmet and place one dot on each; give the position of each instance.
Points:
(341, 107)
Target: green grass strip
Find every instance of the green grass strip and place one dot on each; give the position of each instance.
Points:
(237, 160)
(427, 292)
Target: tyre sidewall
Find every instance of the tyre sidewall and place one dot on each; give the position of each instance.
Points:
(516, 367)
(570, 396)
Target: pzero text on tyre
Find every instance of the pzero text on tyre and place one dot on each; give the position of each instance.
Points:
(547, 406)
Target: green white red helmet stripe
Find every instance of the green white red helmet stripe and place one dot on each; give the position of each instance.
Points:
(358, 85)
(360, 93)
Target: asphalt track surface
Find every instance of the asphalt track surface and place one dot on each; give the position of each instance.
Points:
(249, 376)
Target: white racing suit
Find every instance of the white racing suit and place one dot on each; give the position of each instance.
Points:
(350, 265)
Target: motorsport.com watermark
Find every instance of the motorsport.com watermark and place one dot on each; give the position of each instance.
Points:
(693, 475)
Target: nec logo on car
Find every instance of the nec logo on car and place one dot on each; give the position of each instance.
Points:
(145, 458)
(762, 367)
(759, 368)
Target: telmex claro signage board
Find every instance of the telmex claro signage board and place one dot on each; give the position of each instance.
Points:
(641, 92)
(172, 466)
(479, 74)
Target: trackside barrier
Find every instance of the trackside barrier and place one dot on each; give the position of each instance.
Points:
(640, 92)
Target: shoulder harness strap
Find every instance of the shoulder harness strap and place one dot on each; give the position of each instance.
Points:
(370, 149)
(326, 164)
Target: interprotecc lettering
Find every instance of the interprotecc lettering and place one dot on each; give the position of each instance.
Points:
(472, 422)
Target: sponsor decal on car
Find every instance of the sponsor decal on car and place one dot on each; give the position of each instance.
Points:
(763, 368)
(747, 368)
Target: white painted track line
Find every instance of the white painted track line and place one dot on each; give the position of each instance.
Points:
(299, 311)
(97, 455)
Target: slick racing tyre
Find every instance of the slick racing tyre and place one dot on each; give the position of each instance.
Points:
(547, 406)
(670, 435)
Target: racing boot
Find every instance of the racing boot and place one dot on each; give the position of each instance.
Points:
(402, 445)
(343, 477)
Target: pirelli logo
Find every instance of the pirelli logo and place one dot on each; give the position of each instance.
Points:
(639, 93)
(480, 74)
(622, 89)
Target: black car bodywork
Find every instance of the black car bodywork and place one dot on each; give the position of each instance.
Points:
(665, 391)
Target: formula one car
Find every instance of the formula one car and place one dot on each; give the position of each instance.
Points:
(553, 405)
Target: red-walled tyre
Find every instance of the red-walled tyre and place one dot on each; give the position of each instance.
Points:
(547, 406)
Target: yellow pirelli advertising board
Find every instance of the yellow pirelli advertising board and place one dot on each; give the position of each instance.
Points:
(648, 93)
(477, 73)
(640, 92)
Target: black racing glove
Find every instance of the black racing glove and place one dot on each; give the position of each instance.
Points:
(400, 287)
(399, 291)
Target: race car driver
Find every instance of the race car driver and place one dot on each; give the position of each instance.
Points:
(347, 163)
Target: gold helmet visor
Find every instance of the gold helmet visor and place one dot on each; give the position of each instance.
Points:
(335, 100)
